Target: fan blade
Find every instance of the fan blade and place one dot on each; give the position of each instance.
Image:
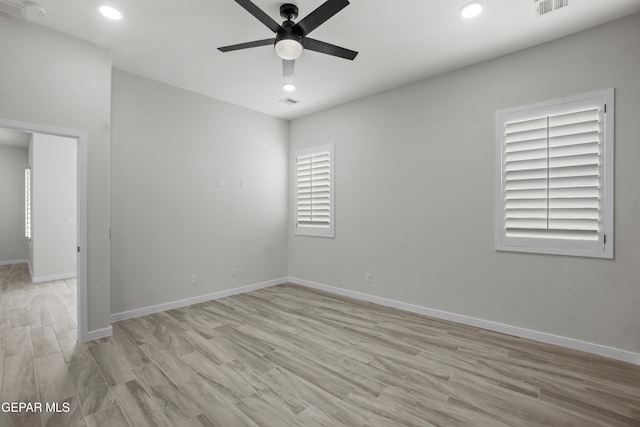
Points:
(260, 15)
(288, 67)
(319, 16)
(329, 49)
(247, 45)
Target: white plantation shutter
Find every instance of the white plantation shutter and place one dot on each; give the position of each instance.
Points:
(314, 191)
(553, 184)
(27, 203)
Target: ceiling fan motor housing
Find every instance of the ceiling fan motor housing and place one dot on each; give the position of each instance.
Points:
(289, 33)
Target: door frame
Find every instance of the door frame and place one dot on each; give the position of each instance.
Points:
(82, 138)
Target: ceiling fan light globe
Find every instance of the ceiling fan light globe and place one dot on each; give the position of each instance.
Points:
(288, 49)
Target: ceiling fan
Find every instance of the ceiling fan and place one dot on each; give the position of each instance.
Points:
(291, 38)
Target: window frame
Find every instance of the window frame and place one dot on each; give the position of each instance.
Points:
(316, 231)
(604, 247)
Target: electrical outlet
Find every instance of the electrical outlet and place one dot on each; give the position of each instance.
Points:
(242, 271)
(234, 272)
(367, 277)
(194, 279)
(220, 182)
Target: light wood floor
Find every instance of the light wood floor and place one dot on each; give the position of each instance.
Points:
(290, 356)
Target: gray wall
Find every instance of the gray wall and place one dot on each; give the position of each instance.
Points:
(13, 243)
(53, 161)
(415, 194)
(56, 80)
(169, 217)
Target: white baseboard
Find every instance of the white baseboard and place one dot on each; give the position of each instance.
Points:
(96, 334)
(600, 350)
(41, 279)
(15, 261)
(115, 317)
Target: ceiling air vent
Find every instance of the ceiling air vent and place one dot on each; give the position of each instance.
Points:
(289, 101)
(13, 8)
(544, 7)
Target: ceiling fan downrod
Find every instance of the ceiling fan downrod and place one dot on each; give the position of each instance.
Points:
(289, 11)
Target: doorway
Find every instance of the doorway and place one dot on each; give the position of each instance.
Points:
(80, 137)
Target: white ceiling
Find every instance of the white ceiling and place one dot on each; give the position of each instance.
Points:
(401, 41)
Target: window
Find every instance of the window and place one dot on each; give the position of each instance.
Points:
(27, 203)
(554, 180)
(314, 192)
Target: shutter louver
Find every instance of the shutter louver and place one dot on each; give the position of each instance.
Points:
(314, 190)
(553, 179)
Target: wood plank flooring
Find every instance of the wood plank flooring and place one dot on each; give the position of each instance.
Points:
(291, 356)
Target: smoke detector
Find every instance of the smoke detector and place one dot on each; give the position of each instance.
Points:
(544, 7)
(36, 8)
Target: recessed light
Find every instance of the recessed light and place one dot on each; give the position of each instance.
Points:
(111, 13)
(289, 87)
(471, 10)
